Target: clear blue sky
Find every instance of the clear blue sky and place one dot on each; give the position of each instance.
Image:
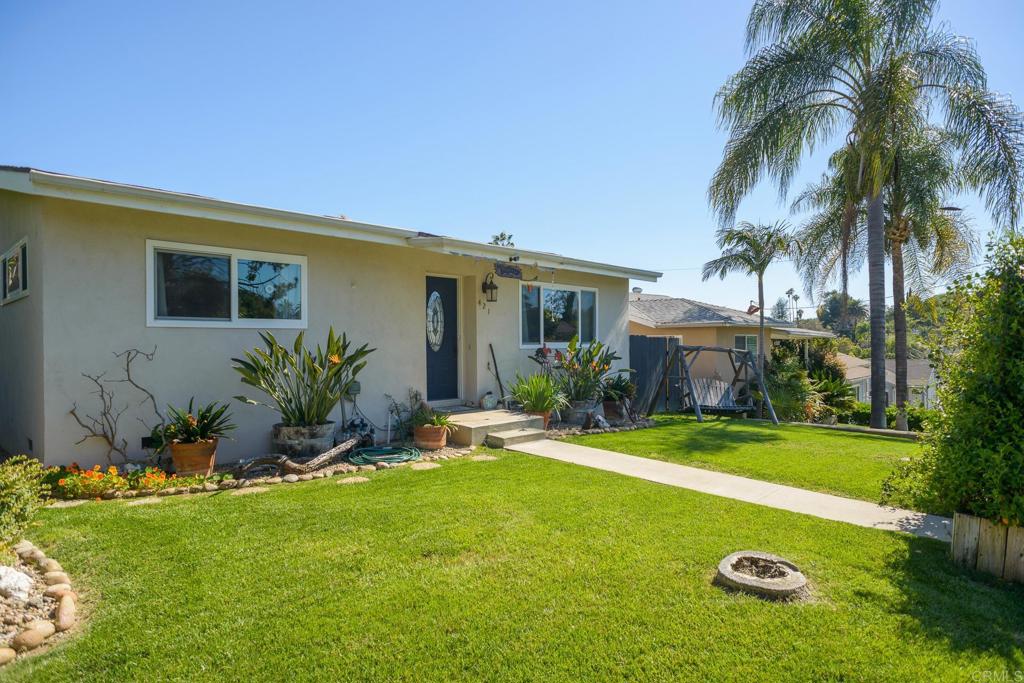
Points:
(581, 127)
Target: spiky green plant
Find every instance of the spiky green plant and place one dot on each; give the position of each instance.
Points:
(212, 421)
(538, 393)
(304, 386)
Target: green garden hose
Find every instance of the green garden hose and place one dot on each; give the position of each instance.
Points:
(389, 454)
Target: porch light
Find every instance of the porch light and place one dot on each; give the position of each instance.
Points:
(490, 289)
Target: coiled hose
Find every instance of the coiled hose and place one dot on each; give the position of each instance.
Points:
(389, 454)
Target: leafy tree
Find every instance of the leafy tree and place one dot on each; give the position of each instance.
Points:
(750, 249)
(502, 240)
(830, 312)
(855, 71)
(974, 453)
(780, 311)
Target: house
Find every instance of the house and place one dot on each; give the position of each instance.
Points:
(94, 267)
(921, 380)
(697, 323)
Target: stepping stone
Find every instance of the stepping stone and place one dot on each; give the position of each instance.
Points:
(145, 501)
(290, 478)
(67, 503)
(249, 489)
(353, 480)
(483, 458)
(424, 466)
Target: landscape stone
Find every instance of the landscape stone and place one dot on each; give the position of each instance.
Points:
(65, 618)
(273, 480)
(483, 458)
(305, 477)
(195, 488)
(366, 468)
(29, 639)
(7, 655)
(145, 501)
(170, 491)
(353, 480)
(56, 589)
(290, 478)
(210, 487)
(67, 504)
(51, 565)
(14, 584)
(53, 578)
(424, 466)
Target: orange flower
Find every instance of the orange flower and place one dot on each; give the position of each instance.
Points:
(334, 359)
(61, 482)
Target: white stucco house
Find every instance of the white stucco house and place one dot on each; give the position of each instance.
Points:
(92, 268)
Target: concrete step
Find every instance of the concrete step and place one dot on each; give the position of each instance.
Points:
(514, 436)
(472, 428)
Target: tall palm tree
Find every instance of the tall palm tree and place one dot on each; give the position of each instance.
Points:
(750, 249)
(854, 70)
(923, 240)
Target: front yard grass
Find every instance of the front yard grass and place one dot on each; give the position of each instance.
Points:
(517, 569)
(843, 463)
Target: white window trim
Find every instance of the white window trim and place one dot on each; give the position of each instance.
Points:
(235, 255)
(23, 292)
(554, 285)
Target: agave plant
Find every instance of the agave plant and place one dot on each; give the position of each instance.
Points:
(304, 386)
(537, 393)
(212, 421)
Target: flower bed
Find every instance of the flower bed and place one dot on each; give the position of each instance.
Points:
(75, 483)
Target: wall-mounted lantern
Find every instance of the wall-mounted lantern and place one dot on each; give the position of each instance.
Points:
(489, 289)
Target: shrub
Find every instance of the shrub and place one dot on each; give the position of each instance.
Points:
(619, 387)
(22, 492)
(859, 413)
(792, 395)
(973, 460)
(304, 386)
(836, 395)
(537, 393)
(582, 370)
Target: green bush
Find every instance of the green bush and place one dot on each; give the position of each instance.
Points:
(22, 493)
(790, 389)
(537, 393)
(973, 459)
(859, 413)
(581, 370)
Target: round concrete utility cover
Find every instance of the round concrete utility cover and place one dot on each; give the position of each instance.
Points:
(762, 574)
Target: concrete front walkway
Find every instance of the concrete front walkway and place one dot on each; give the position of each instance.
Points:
(859, 512)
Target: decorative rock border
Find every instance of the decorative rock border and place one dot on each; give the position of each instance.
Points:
(58, 590)
(562, 432)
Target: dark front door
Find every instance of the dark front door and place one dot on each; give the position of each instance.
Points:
(442, 338)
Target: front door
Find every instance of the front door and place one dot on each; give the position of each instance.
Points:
(442, 338)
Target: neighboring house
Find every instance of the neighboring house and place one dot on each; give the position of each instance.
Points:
(94, 267)
(920, 379)
(700, 324)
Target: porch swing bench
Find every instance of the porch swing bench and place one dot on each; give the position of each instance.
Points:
(716, 396)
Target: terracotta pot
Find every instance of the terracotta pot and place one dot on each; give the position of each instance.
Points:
(194, 458)
(546, 414)
(306, 441)
(430, 437)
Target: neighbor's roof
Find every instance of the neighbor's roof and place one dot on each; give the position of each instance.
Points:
(655, 310)
(46, 184)
(860, 368)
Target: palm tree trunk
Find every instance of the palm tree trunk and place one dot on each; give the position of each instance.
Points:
(876, 294)
(760, 334)
(900, 329)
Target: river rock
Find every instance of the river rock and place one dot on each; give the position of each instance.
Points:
(52, 578)
(353, 480)
(56, 589)
(7, 655)
(65, 618)
(290, 478)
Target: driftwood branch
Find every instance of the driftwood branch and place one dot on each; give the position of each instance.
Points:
(286, 466)
(130, 356)
(104, 426)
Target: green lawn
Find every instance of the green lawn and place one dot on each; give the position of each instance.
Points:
(843, 463)
(517, 569)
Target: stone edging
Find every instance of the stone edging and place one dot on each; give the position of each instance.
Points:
(59, 588)
(559, 433)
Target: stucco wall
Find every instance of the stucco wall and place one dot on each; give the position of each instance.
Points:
(96, 274)
(21, 334)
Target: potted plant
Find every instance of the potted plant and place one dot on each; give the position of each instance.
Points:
(192, 436)
(538, 395)
(431, 429)
(580, 372)
(617, 389)
(304, 387)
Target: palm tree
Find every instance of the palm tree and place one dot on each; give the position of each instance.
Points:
(750, 249)
(937, 242)
(855, 70)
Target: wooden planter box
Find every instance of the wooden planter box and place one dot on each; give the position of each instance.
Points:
(992, 548)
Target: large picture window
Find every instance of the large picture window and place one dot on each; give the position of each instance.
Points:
(554, 314)
(196, 286)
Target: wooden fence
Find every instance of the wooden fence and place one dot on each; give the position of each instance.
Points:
(991, 548)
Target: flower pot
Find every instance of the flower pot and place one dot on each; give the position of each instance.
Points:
(306, 441)
(578, 411)
(194, 458)
(546, 414)
(430, 437)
